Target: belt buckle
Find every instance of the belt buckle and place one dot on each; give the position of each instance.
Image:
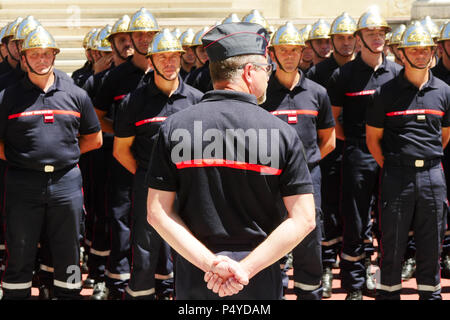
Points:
(49, 168)
(419, 163)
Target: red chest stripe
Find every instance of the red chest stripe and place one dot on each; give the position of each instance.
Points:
(202, 163)
(361, 93)
(156, 119)
(120, 97)
(43, 112)
(417, 111)
(294, 112)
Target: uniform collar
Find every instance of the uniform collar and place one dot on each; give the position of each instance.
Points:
(332, 61)
(130, 65)
(276, 85)
(404, 83)
(364, 65)
(153, 90)
(57, 84)
(215, 95)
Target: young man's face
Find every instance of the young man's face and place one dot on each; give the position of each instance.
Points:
(344, 44)
(374, 38)
(168, 64)
(142, 40)
(188, 56)
(321, 46)
(288, 55)
(122, 43)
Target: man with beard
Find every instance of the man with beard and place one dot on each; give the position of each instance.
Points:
(319, 41)
(305, 106)
(116, 85)
(307, 57)
(141, 114)
(343, 42)
(80, 76)
(200, 78)
(396, 37)
(188, 58)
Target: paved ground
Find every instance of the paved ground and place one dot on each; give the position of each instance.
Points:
(409, 288)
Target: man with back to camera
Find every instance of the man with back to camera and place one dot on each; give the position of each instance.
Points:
(226, 204)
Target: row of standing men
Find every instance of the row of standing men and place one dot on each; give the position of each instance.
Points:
(114, 175)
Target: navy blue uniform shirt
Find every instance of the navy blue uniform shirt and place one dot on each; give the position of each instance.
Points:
(18, 74)
(143, 111)
(306, 108)
(223, 200)
(321, 72)
(352, 87)
(200, 78)
(441, 72)
(95, 81)
(184, 74)
(5, 66)
(41, 128)
(117, 84)
(411, 118)
(81, 75)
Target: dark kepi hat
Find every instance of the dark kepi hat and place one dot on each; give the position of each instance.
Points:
(235, 39)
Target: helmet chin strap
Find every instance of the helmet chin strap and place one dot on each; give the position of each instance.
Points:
(395, 55)
(278, 62)
(196, 55)
(159, 73)
(135, 46)
(445, 50)
(10, 54)
(365, 44)
(413, 65)
(117, 51)
(37, 73)
(313, 49)
(337, 51)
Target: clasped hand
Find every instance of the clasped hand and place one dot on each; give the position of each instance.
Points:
(226, 277)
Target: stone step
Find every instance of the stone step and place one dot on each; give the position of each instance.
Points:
(75, 53)
(68, 65)
(115, 13)
(124, 5)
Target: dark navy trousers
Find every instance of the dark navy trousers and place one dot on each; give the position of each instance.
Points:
(99, 193)
(412, 198)
(120, 205)
(146, 249)
(33, 199)
(2, 216)
(360, 174)
(307, 256)
(331, 169)
(446, 165)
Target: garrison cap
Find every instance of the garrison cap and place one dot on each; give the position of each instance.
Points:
(235, 39)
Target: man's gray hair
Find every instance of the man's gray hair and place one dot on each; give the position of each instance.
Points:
(229, 69)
